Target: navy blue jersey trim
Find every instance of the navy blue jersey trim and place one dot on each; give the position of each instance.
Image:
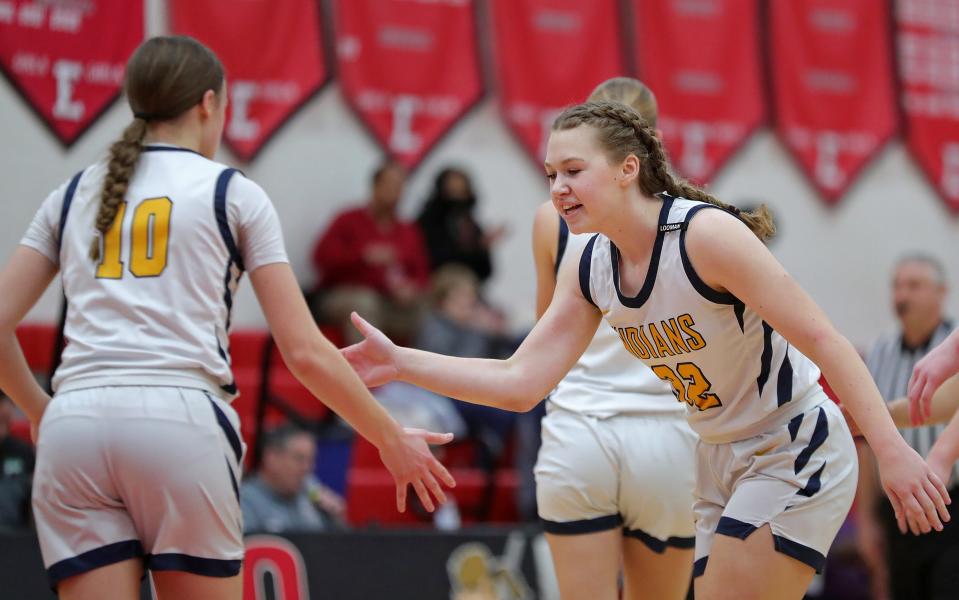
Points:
(650, 281)
(210, 567)
(735, 528)
(794, 424)
(561, 243)
(814, 483)
(800, 552)
(585, 265)
(765, 360)
(657, 545)
(704, 290)
(740, 310)
(583, 526)
(227, 427)
(219, 207)
(65, 209)
(819, 435)
(236, 488)
(94, 559)
(784, 386)
(169, 149)
(699, 567)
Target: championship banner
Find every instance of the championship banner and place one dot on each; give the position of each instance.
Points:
(928, 50)
(709, 91)
(67, 58)
(550, 54)
(833, 85)
(273, 56)
(408, 68)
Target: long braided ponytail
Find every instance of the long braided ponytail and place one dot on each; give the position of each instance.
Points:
(622, 131)
(165, 77)
(123, 158)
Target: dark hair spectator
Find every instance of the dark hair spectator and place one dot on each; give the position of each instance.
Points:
(448, 222)
(283, 495)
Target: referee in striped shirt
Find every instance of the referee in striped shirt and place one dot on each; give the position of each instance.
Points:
(904, 566)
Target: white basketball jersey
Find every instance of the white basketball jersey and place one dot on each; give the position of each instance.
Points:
(155, 309)
(736, 375)
(607, 380)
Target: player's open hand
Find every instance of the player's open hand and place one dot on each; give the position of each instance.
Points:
(373, 359)
(410, 461)
(917, 494)
(937, 366)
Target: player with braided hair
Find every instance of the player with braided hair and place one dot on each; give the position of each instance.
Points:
(693, 292)
(614, 476)
(139, 451)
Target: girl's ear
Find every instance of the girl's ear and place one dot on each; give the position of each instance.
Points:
(629, 169)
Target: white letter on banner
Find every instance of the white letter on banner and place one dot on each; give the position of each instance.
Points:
(66, 107)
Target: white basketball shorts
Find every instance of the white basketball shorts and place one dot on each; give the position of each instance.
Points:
(630, 471)
(799, 478)
(139, 472)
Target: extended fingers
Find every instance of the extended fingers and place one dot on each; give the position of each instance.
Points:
(939, 495)
(401, 495)
(916, 513)
(423, 494)
(440, 471)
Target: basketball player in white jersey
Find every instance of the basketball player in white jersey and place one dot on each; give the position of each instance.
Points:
(138, 452)
(695, 294)
(615, 473)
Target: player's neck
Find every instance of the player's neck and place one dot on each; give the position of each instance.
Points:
(176, 136)
(634, 230)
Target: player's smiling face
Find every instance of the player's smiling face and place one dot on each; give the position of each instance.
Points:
(580, 177)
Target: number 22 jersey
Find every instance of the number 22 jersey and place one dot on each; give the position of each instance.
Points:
(737, 376)
(155, 308)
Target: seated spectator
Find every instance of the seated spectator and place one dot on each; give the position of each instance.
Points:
(283, 495)
(450, 229)
(458, 323)
(16, 472)
(371, 261)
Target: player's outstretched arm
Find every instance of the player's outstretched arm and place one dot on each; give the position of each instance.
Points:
(318, 365)
(945, 452)
(23, 280)
(728, 256)
(517, 383)
(930, 373)
(942, 406)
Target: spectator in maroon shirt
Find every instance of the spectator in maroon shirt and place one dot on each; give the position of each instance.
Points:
(371, 261)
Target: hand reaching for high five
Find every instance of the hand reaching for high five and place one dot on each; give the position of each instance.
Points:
(373, 359)
(411, 462)
(940, 364)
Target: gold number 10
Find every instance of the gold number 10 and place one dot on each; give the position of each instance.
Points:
(149, 236)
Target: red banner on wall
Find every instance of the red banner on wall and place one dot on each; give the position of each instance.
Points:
(834, 90)
(410, 69)
(549, 54)
(67, 59)
(710, 90)
(273, 56)
(928, 50)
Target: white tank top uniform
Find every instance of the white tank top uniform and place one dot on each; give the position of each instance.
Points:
(139, 452)
(773, 448)
(616, 449)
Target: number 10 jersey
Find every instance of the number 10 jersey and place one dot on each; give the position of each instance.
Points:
(155, 308)
(737, 376)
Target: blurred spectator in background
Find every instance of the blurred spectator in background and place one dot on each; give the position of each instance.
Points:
(16, 471)
(371, 261)
(449, 226)
(283, 495)
(457, 323)
(903, 566)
